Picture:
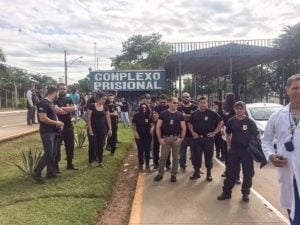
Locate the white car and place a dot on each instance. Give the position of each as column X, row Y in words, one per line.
column 261, row 112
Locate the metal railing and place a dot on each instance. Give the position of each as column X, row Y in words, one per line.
column 220, row 47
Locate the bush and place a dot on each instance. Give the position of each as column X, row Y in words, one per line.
column 30, row 160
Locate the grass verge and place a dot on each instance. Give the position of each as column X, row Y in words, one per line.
column 75, row 197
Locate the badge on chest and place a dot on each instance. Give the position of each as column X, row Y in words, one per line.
column 171, row 122
column 245, row 127
column 146, row 121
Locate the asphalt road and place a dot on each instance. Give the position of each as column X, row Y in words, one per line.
column 12, row 119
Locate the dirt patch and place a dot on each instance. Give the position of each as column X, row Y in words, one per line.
column 118, row 209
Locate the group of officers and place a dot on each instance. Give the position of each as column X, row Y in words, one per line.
column 55, row 118
column 173, row 126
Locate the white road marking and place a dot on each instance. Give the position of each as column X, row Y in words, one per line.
column 265, row 201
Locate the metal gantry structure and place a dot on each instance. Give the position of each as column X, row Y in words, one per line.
column 218, row 58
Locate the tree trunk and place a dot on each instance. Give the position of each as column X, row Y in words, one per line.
column 16, row 95
column 5, row 98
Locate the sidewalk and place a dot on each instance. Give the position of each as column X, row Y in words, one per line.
column 10, row 133
column 195, row 202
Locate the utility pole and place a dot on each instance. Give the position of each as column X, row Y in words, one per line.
column 66, row 69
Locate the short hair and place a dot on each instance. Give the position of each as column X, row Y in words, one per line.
column 51, row 90
column 60, row 84
column 171, row 99
column 202, row 98
column 240, row 104
column 163, row 97
column 291, row 79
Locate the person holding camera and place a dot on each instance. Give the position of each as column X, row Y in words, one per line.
column 284, row 126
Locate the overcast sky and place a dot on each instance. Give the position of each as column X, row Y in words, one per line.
column 35, row 33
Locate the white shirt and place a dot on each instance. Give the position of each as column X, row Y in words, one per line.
column 278, row 127
column 29, row 97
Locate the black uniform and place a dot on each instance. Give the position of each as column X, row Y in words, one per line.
column 49, row 136
column 187, row 140
column 67, row 134
column 204, row 123
column 241, row 131
column 158, row 109
column 99, row 127
column 143, row 122
column 112, row 140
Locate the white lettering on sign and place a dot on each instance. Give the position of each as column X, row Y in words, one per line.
column 129, row 80
column 156, row 76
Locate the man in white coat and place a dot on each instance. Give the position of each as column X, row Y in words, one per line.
column 285, row 128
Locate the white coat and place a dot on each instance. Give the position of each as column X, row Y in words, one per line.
column 278, row 128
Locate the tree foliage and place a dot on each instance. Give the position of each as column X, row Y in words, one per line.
column 142, row 52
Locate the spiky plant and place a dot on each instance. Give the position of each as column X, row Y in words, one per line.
column 30, row 159
column 80, row 137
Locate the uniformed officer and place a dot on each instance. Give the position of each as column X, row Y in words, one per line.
column 65, row 108
column 239, row 130
column 204, row 124
column 112, row 108
column 141, row 124
column 49, row 128
column 186, row 108
column 170, row 130
column 162, row 106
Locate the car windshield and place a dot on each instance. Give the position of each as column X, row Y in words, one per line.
column 263, row 113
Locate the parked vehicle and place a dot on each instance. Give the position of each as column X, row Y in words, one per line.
column 261, row 112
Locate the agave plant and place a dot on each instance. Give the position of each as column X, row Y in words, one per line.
column 30, row 159
column 80, row 137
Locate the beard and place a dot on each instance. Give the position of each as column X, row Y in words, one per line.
column 62, row 94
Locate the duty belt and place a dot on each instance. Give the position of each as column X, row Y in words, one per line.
column 172, row 135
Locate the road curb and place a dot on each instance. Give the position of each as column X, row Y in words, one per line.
column 12, row 137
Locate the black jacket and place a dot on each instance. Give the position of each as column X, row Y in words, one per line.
column 256, row 152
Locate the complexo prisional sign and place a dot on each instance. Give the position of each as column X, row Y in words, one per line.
column 127, row 80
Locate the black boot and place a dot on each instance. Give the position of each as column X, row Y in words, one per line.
column 208, row 176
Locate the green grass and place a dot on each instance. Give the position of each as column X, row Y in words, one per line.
column 73, row 198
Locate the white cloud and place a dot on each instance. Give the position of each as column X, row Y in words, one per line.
column 34, row 34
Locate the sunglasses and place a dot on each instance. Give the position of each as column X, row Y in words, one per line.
column 185, row 96
column 144, row 107
column 175, row 103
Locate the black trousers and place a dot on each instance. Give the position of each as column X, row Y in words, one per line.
column 49, row 141
column 203, row 145
column 235, row 158
column 92, row 153
column 112, row 140
column 67, row 136
column 143, row 146
column 30, row 115
column 156, row 147
column 98, row 143
column 218, row 143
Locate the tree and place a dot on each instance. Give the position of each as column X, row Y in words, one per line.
column 289, row 43
column 142, row 52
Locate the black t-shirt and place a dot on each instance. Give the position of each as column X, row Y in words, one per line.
column 143, row 123
column 204, row 122
column 67, row 118
column 125, row 107
column 112, row 108
column 160, row 108
column 188, row 110
column 45, row 106
column 171, row 122
column 227, row 115
column 98, row 118
column 241, row 131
